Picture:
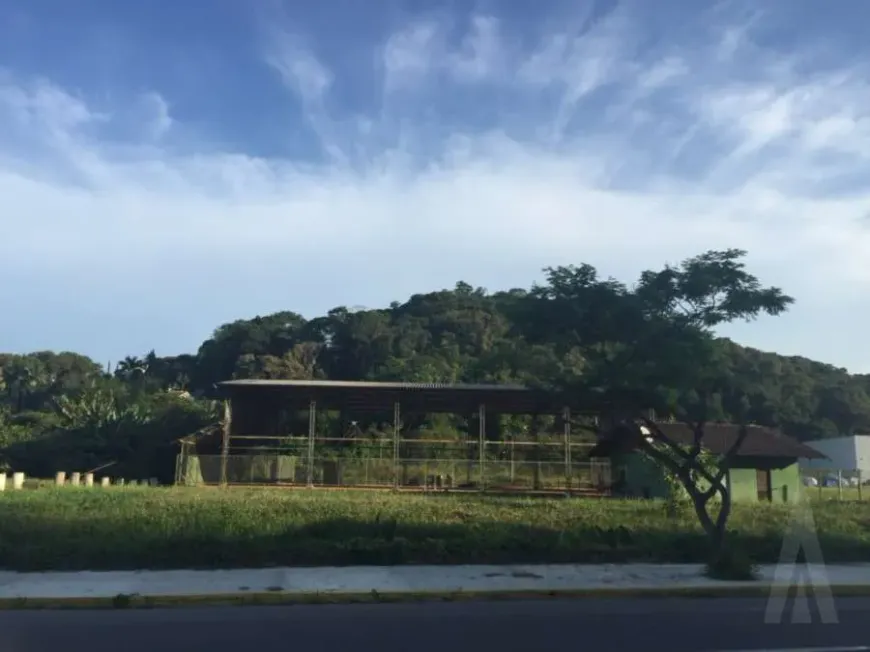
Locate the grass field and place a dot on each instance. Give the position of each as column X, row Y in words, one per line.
column 125, row 528
column 838, row 493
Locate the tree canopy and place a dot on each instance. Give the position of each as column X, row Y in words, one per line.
column 653, row 341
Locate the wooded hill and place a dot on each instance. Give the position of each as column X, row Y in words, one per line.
column 568, row 333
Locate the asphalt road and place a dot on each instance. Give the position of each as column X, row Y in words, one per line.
column 595, row 625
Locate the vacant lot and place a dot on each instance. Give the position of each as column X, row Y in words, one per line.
column 121, row 528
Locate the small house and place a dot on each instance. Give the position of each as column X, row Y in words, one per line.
column 766, row 466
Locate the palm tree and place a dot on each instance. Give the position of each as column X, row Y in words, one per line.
column 130, row 368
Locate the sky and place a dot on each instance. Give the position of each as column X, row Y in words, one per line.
column 169, row 167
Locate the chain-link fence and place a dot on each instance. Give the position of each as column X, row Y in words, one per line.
column 505, row 466
column 836, row 484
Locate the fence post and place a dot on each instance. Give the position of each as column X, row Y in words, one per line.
column 312, row 425
column 860, row 482
column 481, row 445
column 397, row 415
column 18, row 480
column 89, row 479
column 536, row 447
column 839, row 484
column 566, row 425
column 2, row 481
column 513, row 470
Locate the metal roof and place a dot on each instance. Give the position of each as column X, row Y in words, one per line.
column 365, row 384
column 372, row 396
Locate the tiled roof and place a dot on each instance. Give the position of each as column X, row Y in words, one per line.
column 718, row 439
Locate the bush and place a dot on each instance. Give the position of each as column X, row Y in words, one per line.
column 732, row 563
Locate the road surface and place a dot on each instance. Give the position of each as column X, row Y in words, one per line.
column 566, row 625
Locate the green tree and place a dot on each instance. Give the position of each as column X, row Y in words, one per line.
column 651, row 347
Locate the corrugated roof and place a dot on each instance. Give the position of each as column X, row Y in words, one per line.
column 363, row 384
column 379, row 396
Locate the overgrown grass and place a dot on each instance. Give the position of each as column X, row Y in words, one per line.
column 837, row 493
column 126, row 528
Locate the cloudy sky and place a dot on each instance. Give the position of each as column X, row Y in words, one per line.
column 167, row 167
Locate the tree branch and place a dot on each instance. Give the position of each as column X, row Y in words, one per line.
column 690, row 462
column 685, row 478
column 732, row 452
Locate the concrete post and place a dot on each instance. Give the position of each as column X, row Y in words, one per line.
column 89, row 479
column 120, row 482
column 18, row 480
column 75, row 478
column 133, row 483
column 2, row 482
column 105, row 481
column 60, row 478
column 153, row 482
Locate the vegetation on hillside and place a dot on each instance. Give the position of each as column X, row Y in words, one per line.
column 62, row 410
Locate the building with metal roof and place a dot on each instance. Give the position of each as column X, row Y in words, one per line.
column 258, row 411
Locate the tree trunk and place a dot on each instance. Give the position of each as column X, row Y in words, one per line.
column 715, row 529
column 721, row 532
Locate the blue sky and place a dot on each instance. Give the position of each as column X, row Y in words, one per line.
column 167, row 167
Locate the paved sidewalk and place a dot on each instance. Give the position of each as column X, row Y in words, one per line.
column 416, row 580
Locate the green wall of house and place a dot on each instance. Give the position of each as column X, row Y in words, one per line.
column 744, row 485
column 788, row 483
column 785, row 480
column 642, row 478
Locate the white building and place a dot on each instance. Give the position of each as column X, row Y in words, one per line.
column 846, row 454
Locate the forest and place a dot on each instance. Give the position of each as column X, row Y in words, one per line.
column 650, row 344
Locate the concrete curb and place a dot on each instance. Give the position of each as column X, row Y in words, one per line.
column 277, row 598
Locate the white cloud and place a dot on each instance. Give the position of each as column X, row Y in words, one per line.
column 482, row 56
column 410, row 54
column 298, row 67
column 40, row 104
column 413, row 54
column 158, row 120
column 663, row 73
column 227, row 235
column 580, row 62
